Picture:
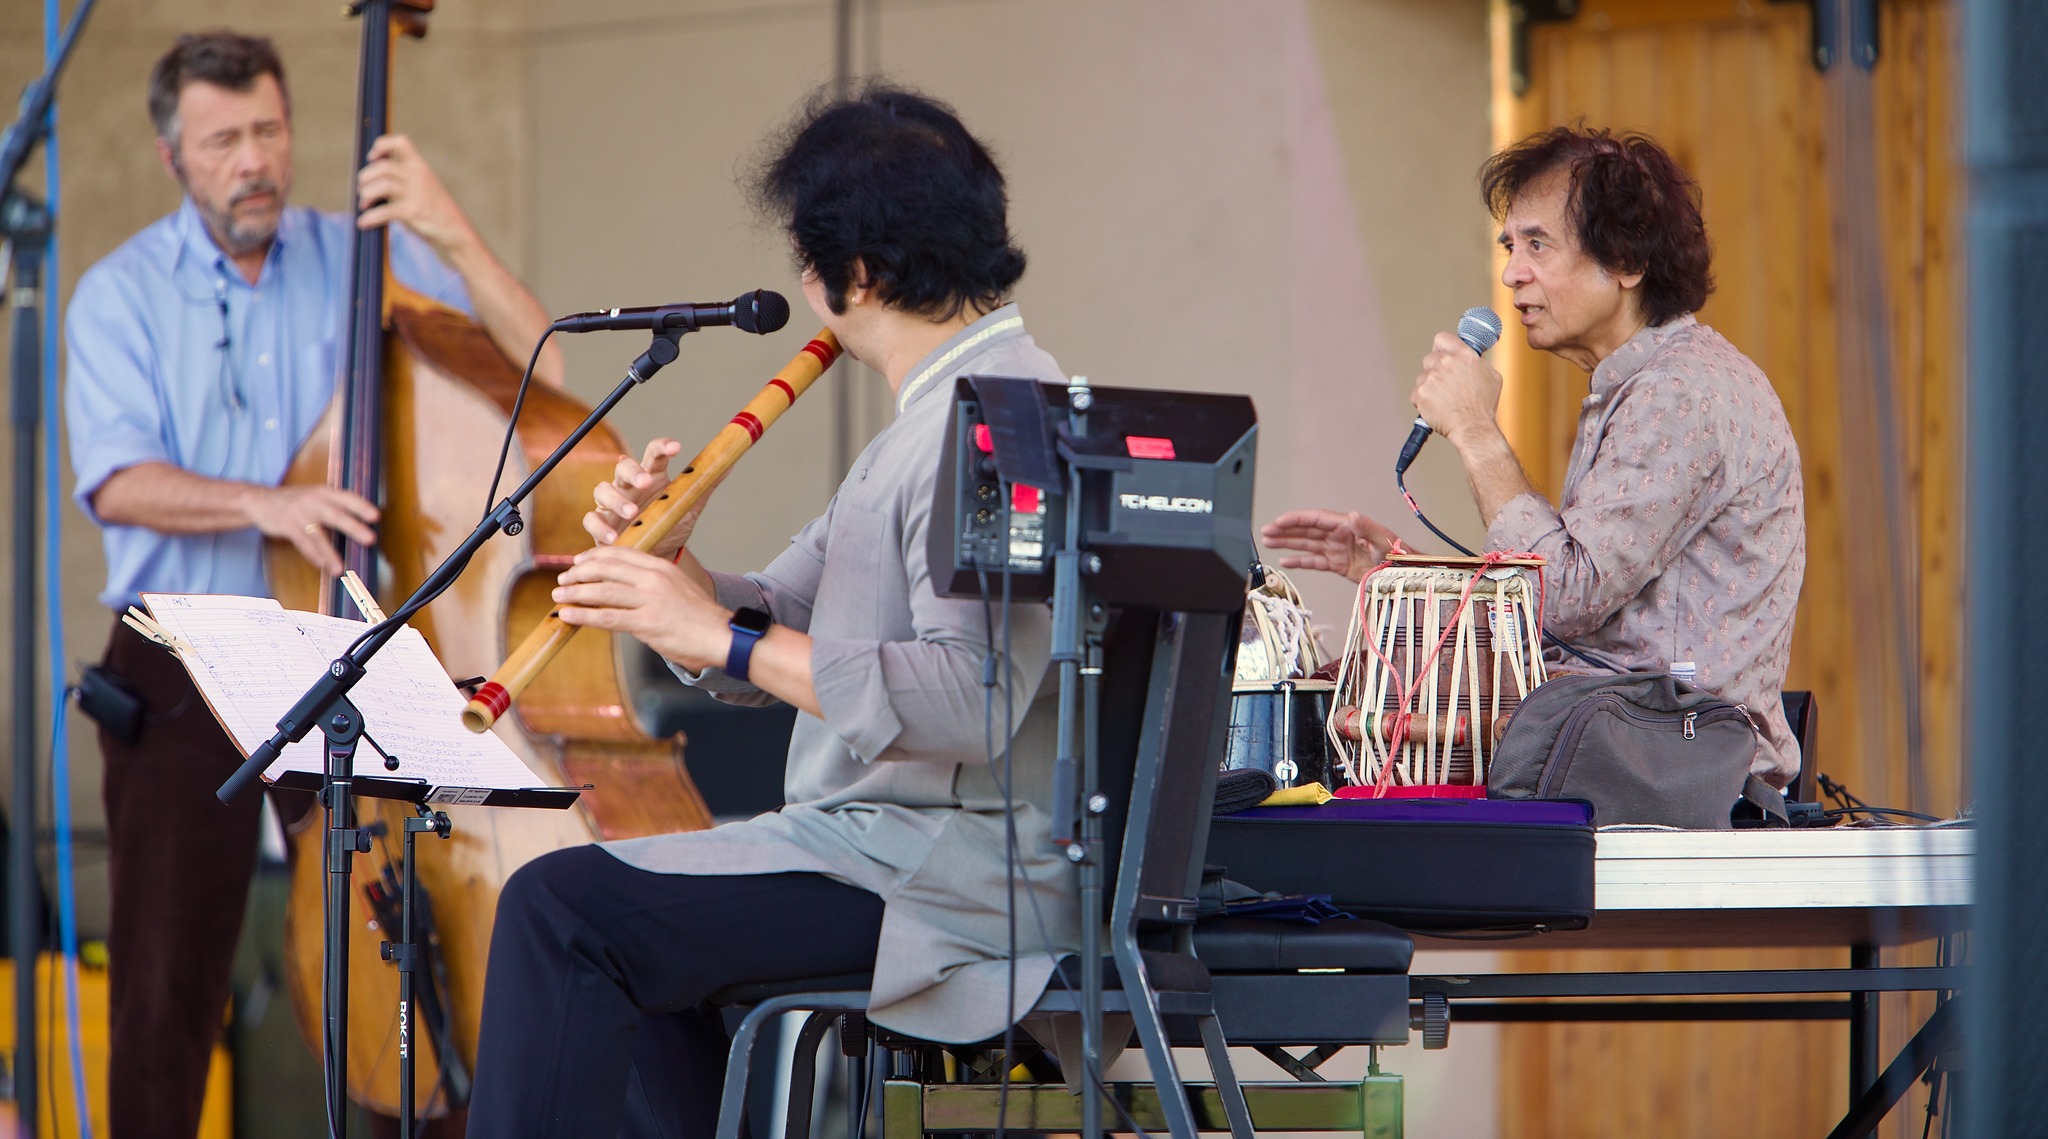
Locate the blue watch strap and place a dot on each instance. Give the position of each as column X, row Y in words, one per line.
column 748, row 627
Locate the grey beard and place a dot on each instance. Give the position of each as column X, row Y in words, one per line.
column 237, row 239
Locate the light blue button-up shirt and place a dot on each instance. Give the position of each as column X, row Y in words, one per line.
column 176, row 358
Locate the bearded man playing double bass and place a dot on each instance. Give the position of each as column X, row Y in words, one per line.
column 889, row 854
column 202, row 353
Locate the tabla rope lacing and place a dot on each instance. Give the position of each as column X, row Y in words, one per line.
column 1371, row 601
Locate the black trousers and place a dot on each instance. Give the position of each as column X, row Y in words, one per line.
column 595, row 1007
column 179, row 862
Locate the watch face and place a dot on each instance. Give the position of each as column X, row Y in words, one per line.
column 751, row 620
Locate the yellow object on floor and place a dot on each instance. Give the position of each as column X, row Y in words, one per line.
column 54, row 1056
column 1306, row 795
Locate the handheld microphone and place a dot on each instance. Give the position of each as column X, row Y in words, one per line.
column 760, row 311
column 1479, row 328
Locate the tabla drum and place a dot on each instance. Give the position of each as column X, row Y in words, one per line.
column 1441, row 652
column 1277, row 728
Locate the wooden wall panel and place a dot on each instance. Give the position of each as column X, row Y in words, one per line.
column 1919, row 180
column 1728, row 87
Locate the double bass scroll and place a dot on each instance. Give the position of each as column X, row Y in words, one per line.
column 676, row 501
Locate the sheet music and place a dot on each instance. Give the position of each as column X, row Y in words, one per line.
column 252, row 659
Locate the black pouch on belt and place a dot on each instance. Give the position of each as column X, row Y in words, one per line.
column 110, row 700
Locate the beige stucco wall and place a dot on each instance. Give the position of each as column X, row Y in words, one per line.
column 1266, row 196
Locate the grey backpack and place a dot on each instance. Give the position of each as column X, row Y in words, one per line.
column 1642, row 747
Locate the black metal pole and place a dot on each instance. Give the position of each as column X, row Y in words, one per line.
column 342, row 724
column 1868, row 1108
column 26, row 224
column 2005, row 124
column 21, row 138
column 1092, row 869
column 1863, row 1027
column 1076, row 810
column 411, row 959
column 408, row 961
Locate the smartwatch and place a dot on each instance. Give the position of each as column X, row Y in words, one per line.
column 748, row 626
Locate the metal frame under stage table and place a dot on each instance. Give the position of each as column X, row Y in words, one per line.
column 1860, row 888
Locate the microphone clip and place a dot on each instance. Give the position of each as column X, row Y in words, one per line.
column 661, row 351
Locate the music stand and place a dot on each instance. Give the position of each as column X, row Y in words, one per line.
column 326, row 706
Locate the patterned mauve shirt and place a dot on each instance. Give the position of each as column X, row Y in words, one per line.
column 1682, row 532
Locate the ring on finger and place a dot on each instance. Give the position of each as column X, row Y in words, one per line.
column 313, row 528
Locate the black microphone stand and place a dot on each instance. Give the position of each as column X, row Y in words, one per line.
column 326, row 706
column 1078, row 621
column 405, row 952
column 26, row 225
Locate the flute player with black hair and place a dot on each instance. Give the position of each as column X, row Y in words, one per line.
column 889, row 854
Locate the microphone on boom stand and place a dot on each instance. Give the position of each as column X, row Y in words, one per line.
column 760, row 311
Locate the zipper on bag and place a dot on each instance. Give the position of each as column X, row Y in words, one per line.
column 1558, row 765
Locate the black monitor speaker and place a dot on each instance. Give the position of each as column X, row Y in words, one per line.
column 1164, row 492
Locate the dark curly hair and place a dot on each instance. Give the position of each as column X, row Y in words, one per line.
column 1632, row 209
column 890, row 178
column 224, row 59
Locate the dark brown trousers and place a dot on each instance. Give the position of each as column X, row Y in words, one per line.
column 179, row 867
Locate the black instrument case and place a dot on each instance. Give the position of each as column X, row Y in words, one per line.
column 1430, row 865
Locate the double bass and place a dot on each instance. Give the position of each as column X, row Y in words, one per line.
column 424, row 399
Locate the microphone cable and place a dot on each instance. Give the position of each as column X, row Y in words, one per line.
column 1400, row 483
column 1549, row 637
column 405, row 613
column 1012, row 859
column 512, row 422
column 1091, row 1072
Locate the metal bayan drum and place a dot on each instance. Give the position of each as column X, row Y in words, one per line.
column 1277, row 727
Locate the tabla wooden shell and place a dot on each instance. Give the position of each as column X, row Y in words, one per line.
column 1455, row 643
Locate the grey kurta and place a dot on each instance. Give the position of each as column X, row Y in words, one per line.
column 892, row 790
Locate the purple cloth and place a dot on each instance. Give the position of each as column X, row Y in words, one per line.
column 1519, row 812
